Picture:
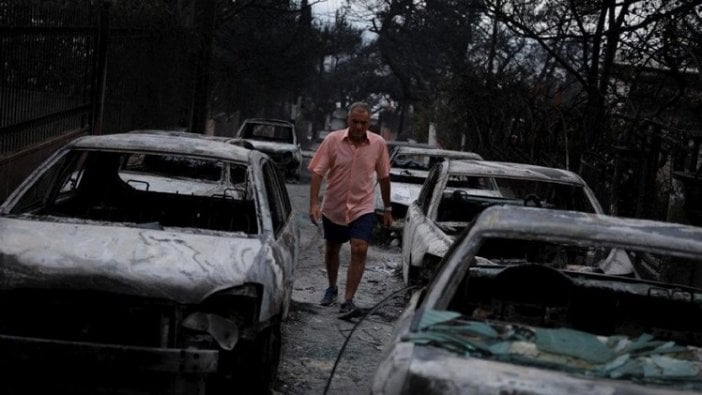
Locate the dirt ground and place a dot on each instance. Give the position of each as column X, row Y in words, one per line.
column 313, row 335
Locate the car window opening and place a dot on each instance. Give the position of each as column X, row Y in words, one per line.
column 550, row 304
column 148, row 190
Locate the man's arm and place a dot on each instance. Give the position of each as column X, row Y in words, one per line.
column 315, row 184
column 385, row 194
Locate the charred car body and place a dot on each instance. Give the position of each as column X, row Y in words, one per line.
column 276, row 138
column 520, row 306
column 409, row 166
column 148, row 255
column 456, row 191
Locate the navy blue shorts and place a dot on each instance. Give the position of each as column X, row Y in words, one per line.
column 360, row 228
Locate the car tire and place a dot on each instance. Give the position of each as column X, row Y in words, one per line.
column 414, row 276
column 254, row 365
column 264, row 358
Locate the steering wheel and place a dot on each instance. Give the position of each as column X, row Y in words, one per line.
column 532, row 200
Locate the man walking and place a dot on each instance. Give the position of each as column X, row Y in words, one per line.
column 350, row 159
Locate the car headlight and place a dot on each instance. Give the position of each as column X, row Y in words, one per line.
column 224, row 317
column 225, row 332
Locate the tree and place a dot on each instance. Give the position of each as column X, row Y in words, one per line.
column 588, row 40
column 265, row 52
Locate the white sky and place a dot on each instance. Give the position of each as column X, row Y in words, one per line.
column 324, row 9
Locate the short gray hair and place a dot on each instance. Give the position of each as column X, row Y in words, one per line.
column 359, row 105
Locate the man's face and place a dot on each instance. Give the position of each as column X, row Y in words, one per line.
column 358, row 121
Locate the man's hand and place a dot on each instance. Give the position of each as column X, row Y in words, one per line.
column 315, row 183
column 387, row 219
column 315, row 215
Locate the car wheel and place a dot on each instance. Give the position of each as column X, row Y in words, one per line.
column 264, row 360
column 253, row 365
column 414, row 276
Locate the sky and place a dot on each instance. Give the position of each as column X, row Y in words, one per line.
column 324, row 9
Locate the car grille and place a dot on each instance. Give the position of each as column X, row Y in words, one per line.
column 96, row 317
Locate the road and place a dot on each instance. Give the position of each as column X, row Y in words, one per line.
column 313, row 334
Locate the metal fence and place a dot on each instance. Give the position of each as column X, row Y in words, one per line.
column 151, row 66
column 47, row 59
column 52, row 79
column 72, row 67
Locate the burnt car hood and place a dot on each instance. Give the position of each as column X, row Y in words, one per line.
column 270, row 146
column 449, row 353
column 434, row 370
column 178, row 266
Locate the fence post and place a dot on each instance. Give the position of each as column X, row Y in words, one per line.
column 100, row 70
column 200, row 102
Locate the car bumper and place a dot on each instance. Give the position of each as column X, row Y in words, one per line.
column 36, row 354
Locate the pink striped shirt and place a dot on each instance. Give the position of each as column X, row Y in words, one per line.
column 350, row 172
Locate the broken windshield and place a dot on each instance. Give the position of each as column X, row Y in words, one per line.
column 268, row 132
column 618, row 312
column 145, row 189
column 538, row 193
column 642, row 358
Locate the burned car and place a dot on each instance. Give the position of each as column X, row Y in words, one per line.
column 394, row 144
column 147, row 257
column 519, row 306
column 409, row 166
column 456, row 191
column 277, row 139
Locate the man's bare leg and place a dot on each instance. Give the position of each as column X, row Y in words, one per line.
column 359, row 250
column 331, row 261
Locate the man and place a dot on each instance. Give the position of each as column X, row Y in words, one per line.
column 351, row 159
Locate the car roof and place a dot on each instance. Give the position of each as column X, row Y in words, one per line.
column 168, row 142
column 270, row 121
column 180, row 133
column 405, row 143
column 394, row 144
column 513, row 170
column 537, row 223
column 433, row 151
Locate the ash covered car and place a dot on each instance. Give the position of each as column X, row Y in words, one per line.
column 146, row 258
column 276, row 138
column 394, row 144
column 520, row 306
column 456, row 191
column 409, row 166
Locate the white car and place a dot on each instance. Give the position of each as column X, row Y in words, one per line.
column 519, row 306
column 277, row 139
column 152, row 257
column 455, row 191
column 409, row 166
